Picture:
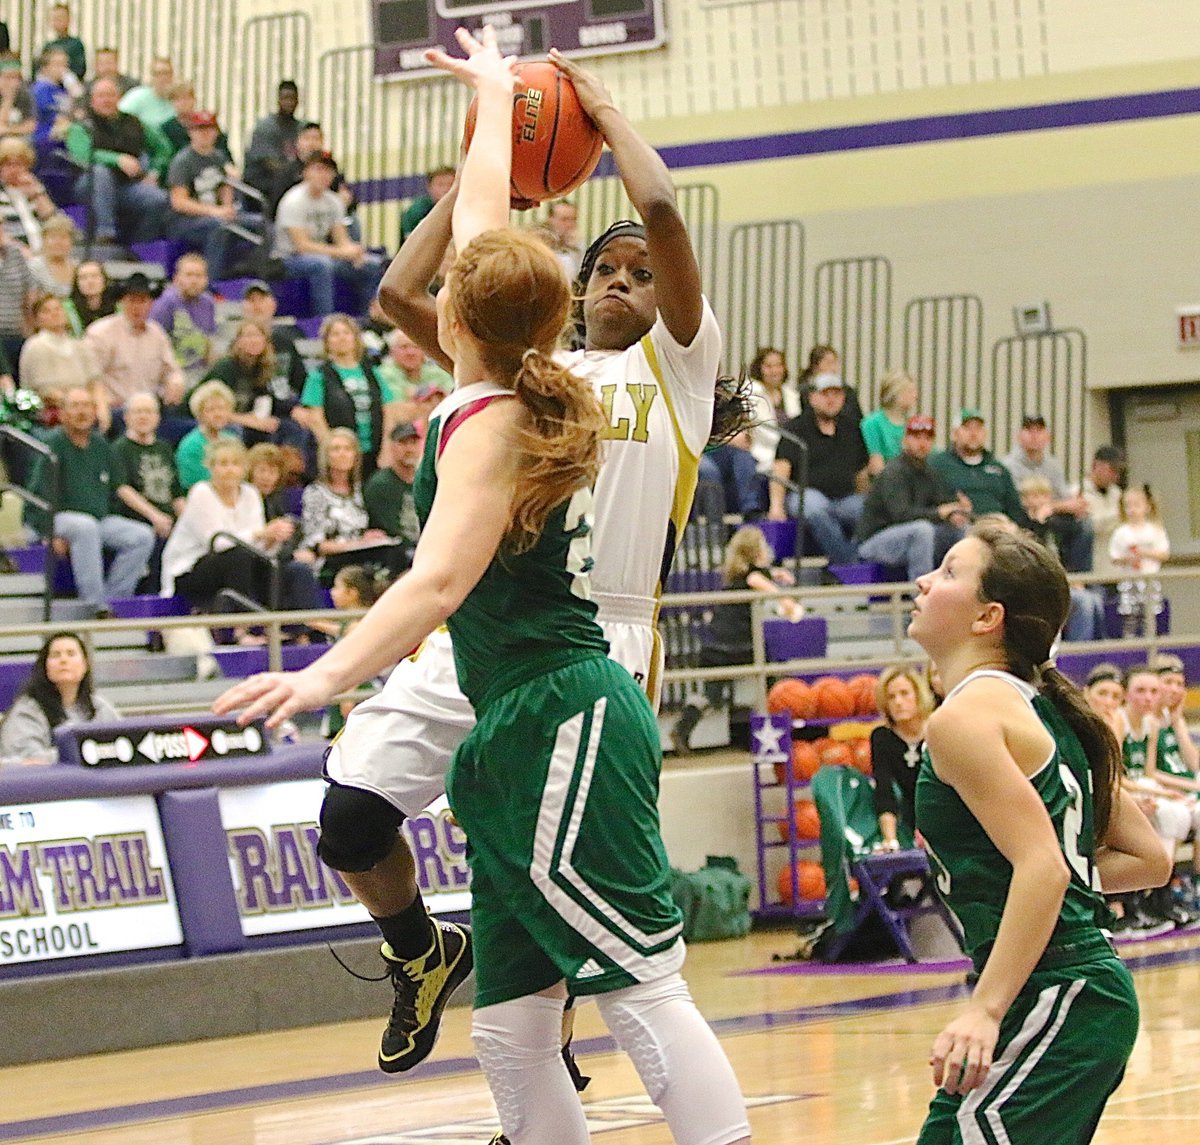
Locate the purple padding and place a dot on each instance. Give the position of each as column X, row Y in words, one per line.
column 860, row 572
column 29, row 558
column 139, row 607
column 806, row 639
column 161, row 251
column 310, row 327
column 239, row 662
column 231, row 288
column 292, row 296
column 13, row 674
column 781, row 536
column 204, row 891
column 77, row 214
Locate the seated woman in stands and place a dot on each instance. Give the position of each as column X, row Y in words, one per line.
column 55, row 267
column 883, row 430
column 59, row 692
column 92, row 297
column 334, row 520
column 24, row 201
column 346, row 392
column 212, row 406
column 53, row 361
column 906, row 703
column 198, row 562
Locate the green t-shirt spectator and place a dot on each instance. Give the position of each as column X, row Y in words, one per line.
column 85, row 484
column 882, row 435
column 389, row 501
column 149, row 469
column 189, row 458
column 404, row 387
column 354, row 379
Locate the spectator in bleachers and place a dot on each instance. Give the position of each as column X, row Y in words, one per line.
column 346, row 392
column 263, row 400
column 53, row 362
column 106, row 65
column 133, row 350
column 837, row 461
column 273, row 142
column 968, row 467
column 198, row 565
column 24, row 202
column 212, row 406
column 146, row 482
column 59, row 691
column 312, row 241
column 112, row 144
column 54, row 268
column 311, row 141
column 1031, row 457
column 51, row 102
column 909, row 516
column 826, row 360
column 175, row 130
column 437, row 183
column 335, row 526
column 906, row 703
column 151, row 103
column 562, row 233
column 202, row 199
column 259, row 305
column 731, row 466
column 87, row 524
column 388, row 495
column 264, row 465
column 1138, row 547
column 60, row 25
column 883, row 431
column 1102, row 489
column 92, row 296
column 187, row 311
column 407, row 368
column 17, row 288
column 17, row 115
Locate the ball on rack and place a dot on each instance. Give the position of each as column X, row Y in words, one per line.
column 862, row 755
column 835, row 698
column 806, row 820
column 806, row 882
column 555, row 145
column 838, row 753
column 864, row 693
column 805, row 762
column 794, row 696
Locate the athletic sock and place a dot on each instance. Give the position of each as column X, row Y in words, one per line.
column 408, row 932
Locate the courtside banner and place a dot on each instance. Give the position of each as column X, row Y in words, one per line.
column 271, row 834
column 84, row 876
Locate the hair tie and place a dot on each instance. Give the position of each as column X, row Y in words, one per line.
column 529, row 355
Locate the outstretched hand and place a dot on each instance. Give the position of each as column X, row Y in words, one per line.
column 594, row 97
column 483, row 64
column 276, row 695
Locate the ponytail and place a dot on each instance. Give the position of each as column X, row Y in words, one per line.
column 733, row 410
column 559, row 443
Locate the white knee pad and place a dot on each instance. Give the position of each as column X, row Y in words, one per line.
column 518, row 1045
column 679, row 1060
column 1172, row 820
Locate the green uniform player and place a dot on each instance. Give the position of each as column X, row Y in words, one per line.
column 563, row 887
column 1077, row 1016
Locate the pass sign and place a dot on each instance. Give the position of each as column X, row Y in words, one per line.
column 159, row 741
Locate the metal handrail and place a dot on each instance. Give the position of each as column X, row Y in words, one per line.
column 49, row 507
column 262, row 555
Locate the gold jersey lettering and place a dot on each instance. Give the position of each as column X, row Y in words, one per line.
column 642, row 397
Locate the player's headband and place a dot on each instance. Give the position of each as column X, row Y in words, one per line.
column 625, row 228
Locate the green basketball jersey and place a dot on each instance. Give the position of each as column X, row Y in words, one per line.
column 974, row 877
column 531, row 612
column 1170, row 758
column 1133, row 752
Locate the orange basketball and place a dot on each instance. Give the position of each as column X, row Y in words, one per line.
column 835, row 698
column 555, row 145
column 862, row 755
column 804, row 763
column 805, row 819
column 793, row 696
column 864, row 691
column 810, row 880
column 837, row 754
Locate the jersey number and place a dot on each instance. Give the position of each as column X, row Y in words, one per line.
column 1073, row 828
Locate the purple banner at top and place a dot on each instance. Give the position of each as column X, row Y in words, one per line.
column 403, row 29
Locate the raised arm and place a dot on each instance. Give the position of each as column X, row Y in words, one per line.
column 648, row 185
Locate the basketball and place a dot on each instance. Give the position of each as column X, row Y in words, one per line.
column 837, row 754
column 555, row 146
column 862, row 755
column 806, row 819
column 810, row 881
column 835, row 698
column 864, row 691
column 793, row 696
column 805, row 762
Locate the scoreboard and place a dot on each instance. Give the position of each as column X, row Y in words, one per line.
column 403, row 29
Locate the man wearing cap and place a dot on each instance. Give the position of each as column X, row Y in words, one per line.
column 113, row 146
column 910, row 518
column 388, row 494
column 133, row 350
column 969, row 468
column 312, row 240
column 1032, row 458
column 1102, row 489
column 836, row 458
column 202, row 203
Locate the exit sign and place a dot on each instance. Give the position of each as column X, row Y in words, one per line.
column 1187, row 326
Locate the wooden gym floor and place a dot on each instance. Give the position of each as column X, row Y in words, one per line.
column 823, row 1054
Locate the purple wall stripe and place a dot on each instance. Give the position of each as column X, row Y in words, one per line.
column 888, row 133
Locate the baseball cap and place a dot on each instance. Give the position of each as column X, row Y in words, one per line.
column 967, row 413
column 202, row 119
column 1033, row 419
column 404, row 431
column 823, row 382
column 257, row 286
column 137, row 283
column 429, row 390
column 1112, row 455
column 920, row 423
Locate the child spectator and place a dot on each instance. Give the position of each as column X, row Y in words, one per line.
column 748, row 565
column 883, row 430
column 354, row 587
column 1138, row 548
